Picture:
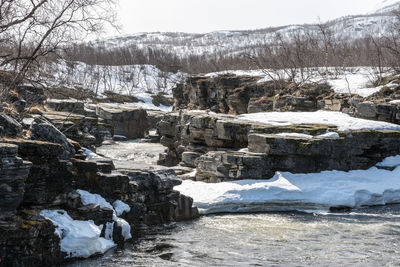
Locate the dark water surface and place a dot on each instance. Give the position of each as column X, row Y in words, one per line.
column 366, row 237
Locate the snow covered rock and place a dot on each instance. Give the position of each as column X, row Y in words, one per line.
column 79, row 239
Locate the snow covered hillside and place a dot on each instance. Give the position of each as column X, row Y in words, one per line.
column 129, row 80
column 185, row 44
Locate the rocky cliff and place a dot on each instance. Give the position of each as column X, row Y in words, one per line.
column 46, row 178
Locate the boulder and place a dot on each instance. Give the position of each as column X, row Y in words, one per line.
column 66, row 105
column 9, row 127
column 29, row 240
column 127, row 120
column 219, row 166
column 366, row 110
column 42, row 130
column 50, row 178
column 32, row 95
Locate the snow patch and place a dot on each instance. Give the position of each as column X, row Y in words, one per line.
column 79, row 239
column 121, row 207
column 89, row 198
column 298, row 135
column 390, row 162
column 287, row 191
column 90, row 154
column 329, row 135
column 343, row 121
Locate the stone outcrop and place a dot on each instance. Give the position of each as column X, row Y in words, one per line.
column 245, row 94
column 87, row 130
column 33, row 96
column 9, row 126
column 66, row 105
column 269, row 153
column 29, row 240
column 13, row 174
column 127, row 120
column 50, row 177
column 213, row 143
column 43, row 130
column 219, row 166
column 54, row 168
column 156, row 201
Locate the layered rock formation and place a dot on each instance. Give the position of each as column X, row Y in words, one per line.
column 127, row 120
column 214, row 144
column 245, row 94
column 49, row 178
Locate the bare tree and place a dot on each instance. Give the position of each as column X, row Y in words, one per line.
column 31, row 30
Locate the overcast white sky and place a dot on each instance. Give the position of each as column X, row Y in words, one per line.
column 212, row 15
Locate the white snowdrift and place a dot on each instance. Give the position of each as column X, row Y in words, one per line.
column 390, row 162
column 89, row 198
column 305, row 192
column 120, row 207
column 90, row 154
column 79, row 239
column 343, row 121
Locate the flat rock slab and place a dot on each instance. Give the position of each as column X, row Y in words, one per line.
column 128, row 121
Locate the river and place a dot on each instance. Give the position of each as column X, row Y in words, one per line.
column 363, row 237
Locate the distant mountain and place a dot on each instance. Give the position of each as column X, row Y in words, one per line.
column 386, row 6
column 185, row 44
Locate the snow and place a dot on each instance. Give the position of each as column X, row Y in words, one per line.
column 126, row 228
column 304, row 192
column 351, row 80
column 89, row 198
column 120, row 207
column 79, row 239
column 298, row 135
column 329, row 135
column 125, row 79
column 343, row 121
column 390, row 162
column 386, row 6
column 90, row 154
column 148, row 103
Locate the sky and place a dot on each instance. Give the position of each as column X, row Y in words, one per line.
column 200, row 16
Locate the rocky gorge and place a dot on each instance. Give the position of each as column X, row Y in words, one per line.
column 55, row 197
column 222, row 129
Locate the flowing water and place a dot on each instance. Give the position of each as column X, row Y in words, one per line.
column 364, row 237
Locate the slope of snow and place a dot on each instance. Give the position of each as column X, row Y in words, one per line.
column 304, row 192
column 343, row 121
column 128, row 80
column 79, row 239
column 386, row 6
column 349, row 81
column 230, row 42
